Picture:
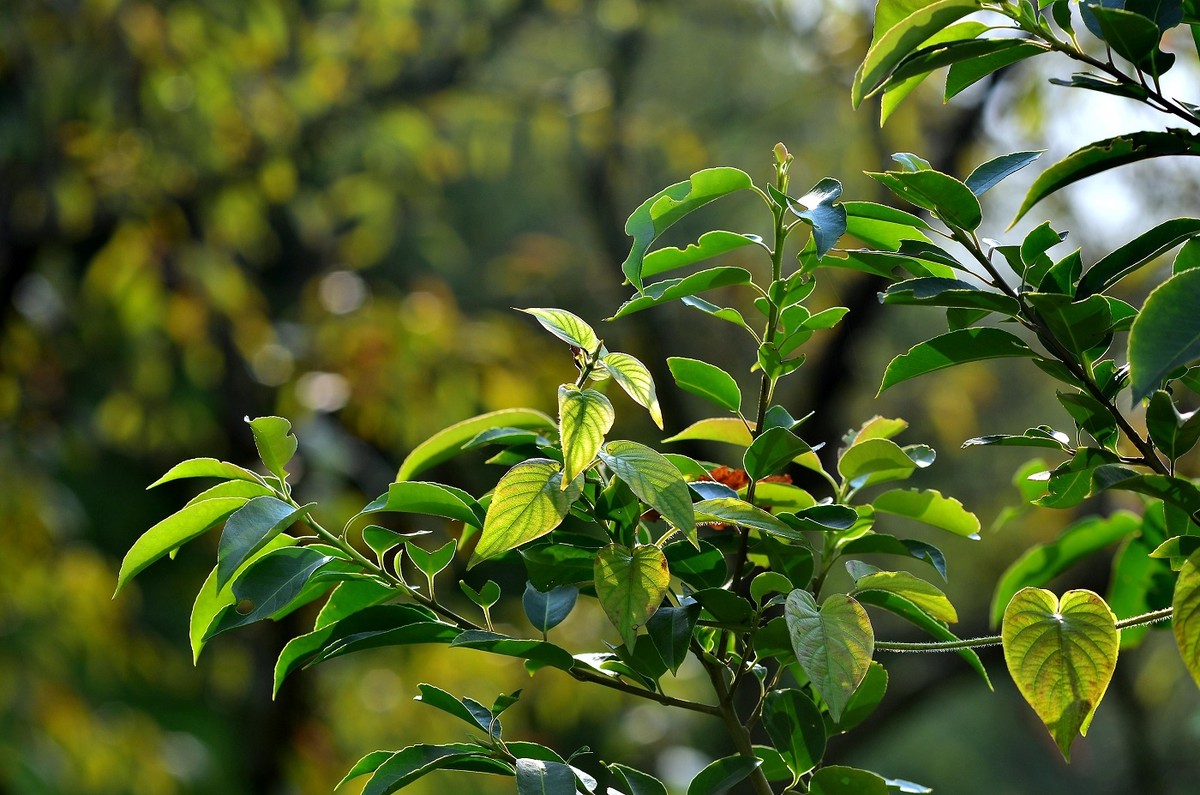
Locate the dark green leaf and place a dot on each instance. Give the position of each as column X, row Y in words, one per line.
column 772, row 449
column 881, row 226
column 467, row 710
column 710, row 244
column 671, row 289
column 987, row 175
column 796, row 728
column 1166, row 335
column 725, row 606
column 840, row 780
column 933, row 291
column 948, row 350
column 537, row 777
column 404, row 767
column 1070, row 483
column 1143, row 249
column 1172, row 432
column 547, row 610
column 881, row 544
column 720, row 776
column 538, row 652
column 637, row 782
column 268, row 586
column 700, row 568
column 249, row 528
column 670, row 629
column 865, row 699
column 1103, row 155
column 558, row 564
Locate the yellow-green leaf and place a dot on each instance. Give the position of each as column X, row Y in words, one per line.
column 929, row 507
column 527, row 503
column 729, row 430
column 173, row 532
column 584, row 417
column 1061, row 654
column 448, row 442
column 630, row 584
column 1186, row 618
column 632, row 376
column 924, row 595
column 654, row 480
column 833, row 644
column 568, row 327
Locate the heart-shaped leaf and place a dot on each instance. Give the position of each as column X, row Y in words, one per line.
column 528, row 503
column 833, row 644
column 630, row 584
column 584, row 417
column 1061, row 654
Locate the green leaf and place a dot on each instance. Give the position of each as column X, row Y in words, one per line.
column 406, row 766
column 687, row 287
column 1173, row 433
column 667, row 206
column 558, row 564
column 881, row 226
column 722, row 775
column 931, row 508
column 700, row 568
column 953, row 348
column 447, row 443
column 1071, row 482
column 906, row 35
column 1172, row 490
column 710, row 244
column 924, row 595
column 769, row 582
column 773, row 448
column 1132, row 36
column 431, row 563
column 941, row 194
column 568, row 327
column 487, row 595
column 882, row 544
column 729, row 430
column 1041, row 436
column 211, row 601
column 670, row 630
column 249, row 528
column 1186, row 614
column 632, row 376
column 933, row 291
column 538, row 652
column 897, row 89
column 206, row 468
column 275, row 442
column 731, row 510
column 637, row 782
column 654, row 480
column 1138, row 584
column 547, row 610
column 796, row 728
column 725, row 606
column 840, row 780
column 833, row 644
column 1061, row 655
column 1103, row 155
column 865, row 699
column 1077, row 325
column 630, row 584
column 536, row 777
column 1004, row 52
column 430, row 499
column 173, row 532
column 1143, row 249
column 527, row 503
column 1041, row 563
column 369, row 627
column 267, row 586
column 1166, row 335
column 585, row 417
column 706, row 380
column 467, row 710
column 349, row 597
column 874, row 461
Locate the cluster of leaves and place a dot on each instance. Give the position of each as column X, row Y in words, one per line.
column 730, row 566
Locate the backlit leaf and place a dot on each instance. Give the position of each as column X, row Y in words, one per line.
column 173, row 532
column 1166, row 334
column 1186, row 618
column 568, row 327
column 447, row 443
column 654, row 480
column 585, row 417
column 275, row 442
column 527, row 503
column 632, row 376
column 929, row 507
column 953, row 348
column 630, row 584
column 706, row 380
column 1061, row 654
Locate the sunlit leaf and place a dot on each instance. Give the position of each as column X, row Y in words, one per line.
column 585, row 416
column 275, row 442
column 568, row 327
column 173, row 532
column 654, row 480
column 447, row 443
column 630, row 584
column 1186, row 614
column 1061, row 654
column 1166, row 334
column 632, row 376
column 953, row 348
column 929, row 507
column 527, row 503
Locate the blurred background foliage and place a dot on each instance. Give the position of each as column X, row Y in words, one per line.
column 324, row 209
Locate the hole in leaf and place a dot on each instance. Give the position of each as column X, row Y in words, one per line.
column 245, row 607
